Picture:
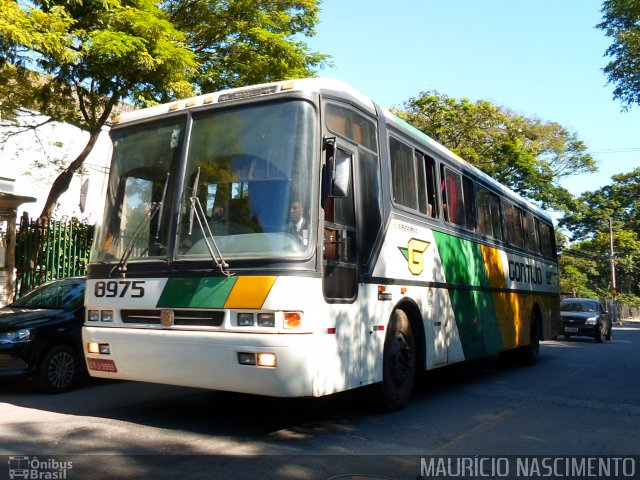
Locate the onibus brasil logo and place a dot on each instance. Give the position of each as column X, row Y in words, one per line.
column 34, row 468
column 414, row 255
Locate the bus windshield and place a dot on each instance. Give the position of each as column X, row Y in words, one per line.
column 246, row 190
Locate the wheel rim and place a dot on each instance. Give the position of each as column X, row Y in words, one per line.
column 61, row 369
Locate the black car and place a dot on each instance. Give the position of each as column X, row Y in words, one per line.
column 585, row 317
column 40, row 335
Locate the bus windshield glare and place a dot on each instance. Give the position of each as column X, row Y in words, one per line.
column 246, row 186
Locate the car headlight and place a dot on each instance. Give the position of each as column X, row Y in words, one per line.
column 17, row 336
column 591, row 321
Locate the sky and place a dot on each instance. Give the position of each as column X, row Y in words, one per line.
column 541, row 59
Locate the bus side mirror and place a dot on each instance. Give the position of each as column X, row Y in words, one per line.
column 339, row 170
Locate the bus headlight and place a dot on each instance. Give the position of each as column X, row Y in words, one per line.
column 266, row 359
column 266, row 320
column 259, row 359
column 245, row 320
column 98, row 348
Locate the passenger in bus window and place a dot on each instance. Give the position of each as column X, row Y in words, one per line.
column 298, row 223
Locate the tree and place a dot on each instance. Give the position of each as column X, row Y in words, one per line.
column 244, row 42
column 619, row 201
column 76, row 61
column 526, row 154
column 621, row 22
column 589, row 225
column 80, row 60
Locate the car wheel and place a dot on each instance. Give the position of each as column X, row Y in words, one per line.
column 598, row 334
column 59, row 370
column 398, row 364
column 609, row 335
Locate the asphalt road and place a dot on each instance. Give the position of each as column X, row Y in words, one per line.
column 581, row 398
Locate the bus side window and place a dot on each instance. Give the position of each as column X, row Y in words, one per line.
column 451, row 196
column 432, row 191
column 426, row 176
column 457, row 199
column 488, row 206
column 403, row 174
column 531, row 234
column 547, row 241
column 513, row 221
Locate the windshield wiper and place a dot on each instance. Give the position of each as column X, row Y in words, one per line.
column 121, row 267
column 209, row 240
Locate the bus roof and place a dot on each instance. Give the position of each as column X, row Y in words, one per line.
column 314, row 85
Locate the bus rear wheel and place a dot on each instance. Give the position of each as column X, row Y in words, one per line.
column 399, row 363
column 530, row 353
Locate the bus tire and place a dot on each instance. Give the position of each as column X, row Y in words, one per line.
column 529, row 354
column 398, row 363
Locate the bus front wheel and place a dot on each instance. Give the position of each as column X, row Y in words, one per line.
column 399, row 362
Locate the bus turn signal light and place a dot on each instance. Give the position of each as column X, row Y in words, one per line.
column 292, row 319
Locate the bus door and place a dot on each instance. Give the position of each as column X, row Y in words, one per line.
column 340, row 267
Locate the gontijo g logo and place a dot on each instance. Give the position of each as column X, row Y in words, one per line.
column 413, row 253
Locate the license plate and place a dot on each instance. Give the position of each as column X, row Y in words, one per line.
column 571, row 329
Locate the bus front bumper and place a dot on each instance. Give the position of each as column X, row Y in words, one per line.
column 281, row 365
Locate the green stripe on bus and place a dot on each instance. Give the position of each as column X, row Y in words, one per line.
column 177, row 292
column 475, row 311
column 462, row 260
column 213, row 292
column 196, row 292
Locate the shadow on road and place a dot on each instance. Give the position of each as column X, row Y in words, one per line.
column 240, row 415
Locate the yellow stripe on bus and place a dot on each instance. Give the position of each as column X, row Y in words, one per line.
column 507, row 305
column 249, row 292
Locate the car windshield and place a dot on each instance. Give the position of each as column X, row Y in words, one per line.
column 585, row 306
column 60, row 294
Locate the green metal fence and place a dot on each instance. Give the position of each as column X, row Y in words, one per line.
column 47, row 250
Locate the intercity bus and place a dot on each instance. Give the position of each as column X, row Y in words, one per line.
column 295, row 239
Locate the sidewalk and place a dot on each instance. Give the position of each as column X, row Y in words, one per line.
column 627, row 321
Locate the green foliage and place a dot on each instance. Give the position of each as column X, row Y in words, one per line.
column 526, row 154
column 244, row 42
column 621, row 22
column 573, row 280
column 619, row 201
column 584, row 271
column 90, row 56
column 75, row 61
column 589, row 225
column 630, row 300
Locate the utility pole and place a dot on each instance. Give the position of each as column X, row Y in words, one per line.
column 613, row 271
